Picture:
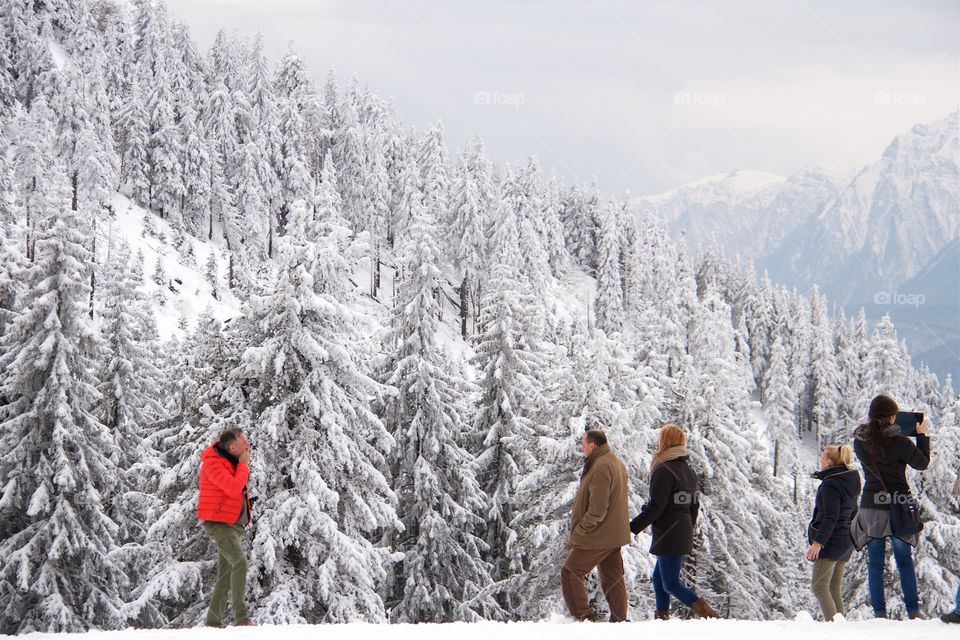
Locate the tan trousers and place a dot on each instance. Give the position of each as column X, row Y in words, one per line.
column 827, row 585
column 609, row 565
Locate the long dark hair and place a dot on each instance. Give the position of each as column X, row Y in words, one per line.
column 878, row 423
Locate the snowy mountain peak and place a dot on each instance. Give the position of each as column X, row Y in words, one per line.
column 935, row 137
column 733, row 186
column 892, row 218
column 854, row 232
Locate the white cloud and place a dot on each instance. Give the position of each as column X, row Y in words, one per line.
column 593, row 87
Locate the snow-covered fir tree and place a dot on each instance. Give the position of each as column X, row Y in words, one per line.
column 128, row 405
column 473, row 195
column 508, row 361
column 321, row 448
column 60, row 466
column 779, row 401
column 609, row 304
column 444, row 575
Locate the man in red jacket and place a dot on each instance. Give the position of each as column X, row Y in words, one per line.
column 224, row 511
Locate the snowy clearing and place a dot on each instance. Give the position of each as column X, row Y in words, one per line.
column 800, row 629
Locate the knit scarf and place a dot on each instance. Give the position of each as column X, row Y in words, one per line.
column 671, row 453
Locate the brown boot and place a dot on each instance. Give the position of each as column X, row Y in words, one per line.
column 590, row 616
column 661, row 615
column 702, row 610
column 914, row 615
column 245, row 622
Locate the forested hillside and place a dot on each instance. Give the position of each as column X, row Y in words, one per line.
column 413, row 338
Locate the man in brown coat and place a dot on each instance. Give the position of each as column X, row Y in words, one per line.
column 599, row 526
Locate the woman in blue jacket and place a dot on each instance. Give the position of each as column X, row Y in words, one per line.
column 829, row 529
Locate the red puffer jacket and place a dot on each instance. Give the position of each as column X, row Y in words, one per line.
column 223, row 489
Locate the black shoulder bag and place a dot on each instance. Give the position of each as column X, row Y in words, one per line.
column 904, row 510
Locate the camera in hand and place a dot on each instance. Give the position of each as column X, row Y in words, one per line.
column 907, row 421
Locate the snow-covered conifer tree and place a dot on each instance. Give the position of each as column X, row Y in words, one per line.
column 609, row 304
column 59, row 466
column 321, row 450
column 508, row 359
column 443, row 575
column 473, row 194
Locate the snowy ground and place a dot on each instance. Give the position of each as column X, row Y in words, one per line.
column 801, row 629
column 188, row 293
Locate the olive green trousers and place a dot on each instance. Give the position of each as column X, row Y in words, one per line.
column 231, row 573
column 827, row 584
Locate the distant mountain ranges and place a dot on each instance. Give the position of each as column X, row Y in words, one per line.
column 884, row 237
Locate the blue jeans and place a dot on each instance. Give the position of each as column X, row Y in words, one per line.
column 876, row 558
column 957, row 610
column 666, row 583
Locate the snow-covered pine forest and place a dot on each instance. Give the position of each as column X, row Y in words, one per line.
column 412, row 337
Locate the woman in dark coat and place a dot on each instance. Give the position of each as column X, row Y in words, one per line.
column 829, row 530
column 881, row 449
column 672, row 510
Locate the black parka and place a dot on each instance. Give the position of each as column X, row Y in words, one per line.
column 892, row 465
column 672, row 509
column 834, row 508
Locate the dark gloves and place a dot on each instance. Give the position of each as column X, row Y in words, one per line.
column 635, row 527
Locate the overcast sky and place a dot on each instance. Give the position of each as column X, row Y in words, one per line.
column 644, row 95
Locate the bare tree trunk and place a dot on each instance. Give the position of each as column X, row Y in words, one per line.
column 93, row 269
column 776, row 457
column 464, row 305
column 396, row 276
column 374, row 269
column 475, row 294
column 589, row 315
column 283, row 218
column 29, row 236
column 270, row 237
